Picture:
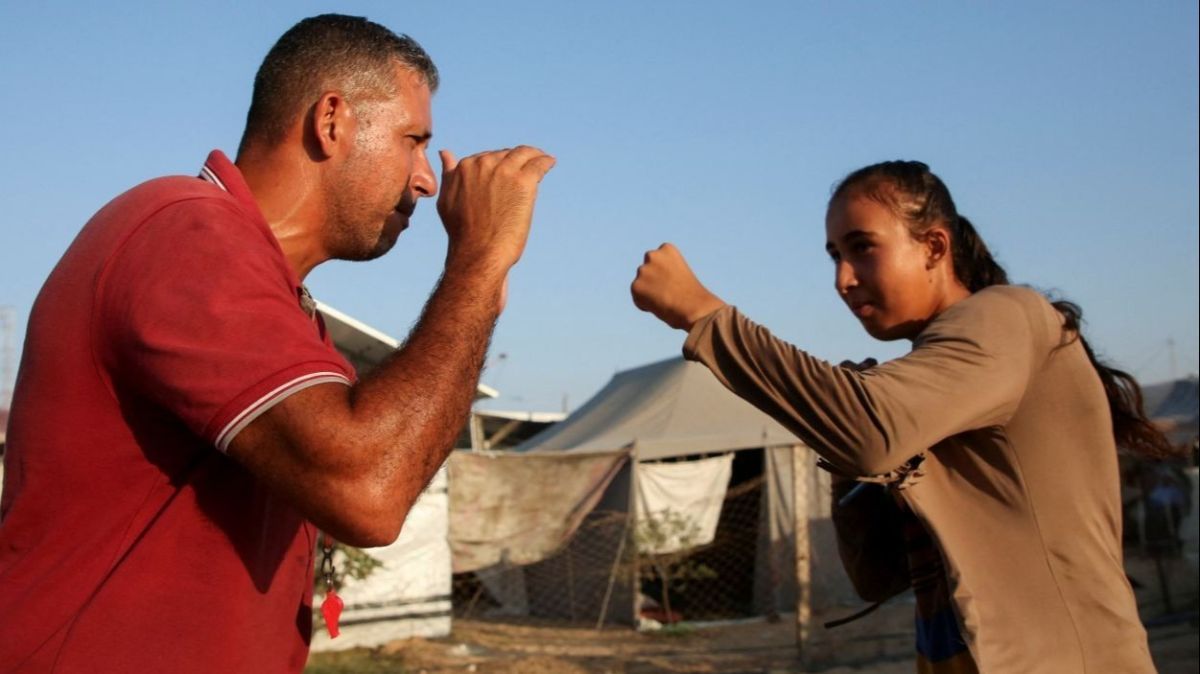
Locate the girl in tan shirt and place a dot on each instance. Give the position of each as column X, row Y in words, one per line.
column 995, row 436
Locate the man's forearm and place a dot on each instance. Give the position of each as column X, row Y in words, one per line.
column 414, row 405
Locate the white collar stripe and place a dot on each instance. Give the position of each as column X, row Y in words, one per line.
column 211, row 176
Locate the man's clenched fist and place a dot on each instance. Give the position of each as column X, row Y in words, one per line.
column 486, row 204
column 666, row 287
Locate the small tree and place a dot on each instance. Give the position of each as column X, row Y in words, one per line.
column 664, row 543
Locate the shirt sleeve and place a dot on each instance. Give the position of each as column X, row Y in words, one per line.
column 198, row 314
column 968, row 370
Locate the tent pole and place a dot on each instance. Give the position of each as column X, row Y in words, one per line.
column 800, row 486
column 635, row 583
column 618, row 563
column 571, row 580
column 612, row 577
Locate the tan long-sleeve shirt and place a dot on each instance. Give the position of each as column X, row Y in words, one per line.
column 1019, row 483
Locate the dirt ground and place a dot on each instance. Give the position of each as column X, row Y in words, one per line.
column 755, row 647
column 505, row 648
column 880, row 643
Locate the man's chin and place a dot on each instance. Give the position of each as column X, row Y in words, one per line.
column 386, row 241
column 363, row 251
column 387, row 236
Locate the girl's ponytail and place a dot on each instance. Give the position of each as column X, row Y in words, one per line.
column 973, row 262
column 1131, row 427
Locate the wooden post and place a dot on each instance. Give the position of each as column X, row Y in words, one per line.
column 801, row 467
column 627, row 534
column 635, row 582
column 475, row 423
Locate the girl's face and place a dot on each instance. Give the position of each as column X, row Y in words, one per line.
column 882, row 273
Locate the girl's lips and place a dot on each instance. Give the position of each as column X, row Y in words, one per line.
column 862, row 309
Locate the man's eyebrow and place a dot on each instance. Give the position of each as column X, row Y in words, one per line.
column 414, row 131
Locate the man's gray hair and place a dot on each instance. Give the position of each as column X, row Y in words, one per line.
column 330, row 51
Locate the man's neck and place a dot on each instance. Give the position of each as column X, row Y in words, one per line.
column 288, row 193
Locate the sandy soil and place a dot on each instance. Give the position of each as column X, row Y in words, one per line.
column 880, row 643
column 506, row 648
column 758, row 648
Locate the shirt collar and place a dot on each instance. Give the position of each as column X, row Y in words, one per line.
column 221, row 172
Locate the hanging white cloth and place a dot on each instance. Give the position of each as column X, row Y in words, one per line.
column 679, row 503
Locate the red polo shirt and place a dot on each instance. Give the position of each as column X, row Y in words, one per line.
column 128, row 541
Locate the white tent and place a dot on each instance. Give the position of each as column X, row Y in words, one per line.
column 683, row 430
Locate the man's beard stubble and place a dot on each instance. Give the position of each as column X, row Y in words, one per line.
column 357, row 235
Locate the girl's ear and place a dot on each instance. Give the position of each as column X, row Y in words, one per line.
column 937, row 246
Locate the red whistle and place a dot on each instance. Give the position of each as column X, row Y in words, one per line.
column 331, row 610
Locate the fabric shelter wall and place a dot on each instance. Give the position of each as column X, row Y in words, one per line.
column 519, row 509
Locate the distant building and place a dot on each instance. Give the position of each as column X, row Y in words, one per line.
column 1175, row 408
column 501, row 429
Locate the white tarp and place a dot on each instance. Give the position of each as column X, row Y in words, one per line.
column 409, row 595
column 679, row 503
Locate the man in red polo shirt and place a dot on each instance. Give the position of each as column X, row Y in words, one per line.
column 181, row 420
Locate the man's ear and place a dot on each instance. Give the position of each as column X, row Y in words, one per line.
column 332, row 124
column 937, row 246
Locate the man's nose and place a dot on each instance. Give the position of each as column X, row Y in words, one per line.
column 424, row 181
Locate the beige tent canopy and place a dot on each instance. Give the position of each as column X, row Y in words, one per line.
column 667, row 409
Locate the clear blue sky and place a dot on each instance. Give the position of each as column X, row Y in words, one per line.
column 1067, row 133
